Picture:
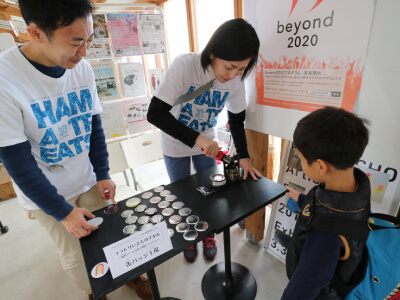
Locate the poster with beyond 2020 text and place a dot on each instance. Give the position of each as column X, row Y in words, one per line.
column 385, row 197
column 312, row 52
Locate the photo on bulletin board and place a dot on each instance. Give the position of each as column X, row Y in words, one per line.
column 101, row 46
column 124, row 34
column 152, row 33
column 309, row 56
column 132, row 79
column 106, row 82
column 385, row 197
column 156, row 76
column 113, row 121
column 136, row 114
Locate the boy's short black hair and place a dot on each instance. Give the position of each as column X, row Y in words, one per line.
column 50, row 15
column 333, row 135
column 234, row 40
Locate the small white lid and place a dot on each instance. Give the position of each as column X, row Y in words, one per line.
column 96, row 221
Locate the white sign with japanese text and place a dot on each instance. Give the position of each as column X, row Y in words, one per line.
column 137, row 249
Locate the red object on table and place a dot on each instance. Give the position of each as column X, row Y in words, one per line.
column 219, row 156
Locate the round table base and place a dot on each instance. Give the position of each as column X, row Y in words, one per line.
column 242, row 285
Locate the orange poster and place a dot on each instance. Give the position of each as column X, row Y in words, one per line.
column 312, row 52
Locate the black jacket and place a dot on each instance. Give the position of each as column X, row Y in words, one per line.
column 354, row 206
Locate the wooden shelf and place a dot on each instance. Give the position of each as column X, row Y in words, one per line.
column 6, row 8
column 6, row 187
column 9, row 10
column 23, row 37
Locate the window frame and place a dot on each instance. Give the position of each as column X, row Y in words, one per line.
column 192, row 20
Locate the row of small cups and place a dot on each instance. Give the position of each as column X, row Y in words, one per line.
column 148, row 221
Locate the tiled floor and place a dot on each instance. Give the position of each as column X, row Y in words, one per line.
column 30, row 267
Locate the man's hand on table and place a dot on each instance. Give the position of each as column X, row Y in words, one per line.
column 76, row 224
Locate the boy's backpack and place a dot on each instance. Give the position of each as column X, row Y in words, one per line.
column 382, row 275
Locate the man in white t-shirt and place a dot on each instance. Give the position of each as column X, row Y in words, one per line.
column 51, row 138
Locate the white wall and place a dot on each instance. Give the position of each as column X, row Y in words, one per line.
column 380, row 89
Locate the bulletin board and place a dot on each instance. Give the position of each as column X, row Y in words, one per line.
column 377, row 98
column 129, row 59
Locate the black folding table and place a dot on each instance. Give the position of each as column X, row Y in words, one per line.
column 221, row 210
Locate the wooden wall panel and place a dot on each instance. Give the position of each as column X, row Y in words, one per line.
column 257, row 144
column 191, row 21
column 238, row 8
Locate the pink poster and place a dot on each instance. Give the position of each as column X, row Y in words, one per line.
column 124, row 34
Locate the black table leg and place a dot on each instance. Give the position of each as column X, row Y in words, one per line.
column 153, row 284
column 151, row 275
column 228, row 281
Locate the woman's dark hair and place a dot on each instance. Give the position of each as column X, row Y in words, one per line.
column 234, row 40
column 333, row 135
column 50, row 15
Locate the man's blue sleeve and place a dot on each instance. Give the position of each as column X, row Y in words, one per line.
column 23, row 169
column 98, row 154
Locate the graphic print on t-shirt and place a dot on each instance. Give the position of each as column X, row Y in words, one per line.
column 201, row 114
column 66, row 124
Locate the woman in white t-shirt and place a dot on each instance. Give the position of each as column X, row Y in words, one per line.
column 188, row 129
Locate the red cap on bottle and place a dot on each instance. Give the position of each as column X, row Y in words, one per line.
column 220, row 155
